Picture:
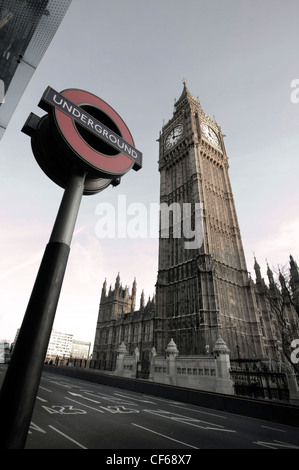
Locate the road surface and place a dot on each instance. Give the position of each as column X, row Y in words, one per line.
column 74, row 414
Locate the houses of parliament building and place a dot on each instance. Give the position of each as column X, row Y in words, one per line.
column 203, row 290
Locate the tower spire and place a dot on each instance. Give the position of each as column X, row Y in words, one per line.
column 134, row 291
column 294, row 271
column 104, row 288
column 257, row 269
column 142, row 303
column 185, row 98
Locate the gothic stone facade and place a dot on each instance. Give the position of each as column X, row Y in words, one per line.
column 118, row 321
column 203, row 288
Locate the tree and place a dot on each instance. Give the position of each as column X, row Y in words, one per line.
column 282, row 302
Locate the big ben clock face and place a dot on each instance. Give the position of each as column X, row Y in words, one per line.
column 174, row 136
column 210, row 134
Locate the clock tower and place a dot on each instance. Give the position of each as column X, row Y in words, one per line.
column 203, row 288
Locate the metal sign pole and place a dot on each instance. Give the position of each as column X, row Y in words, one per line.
column 60, row 149
column 21, row 382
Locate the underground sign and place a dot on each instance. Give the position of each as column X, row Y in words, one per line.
column 83, row 131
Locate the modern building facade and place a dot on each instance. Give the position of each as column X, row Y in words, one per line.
column 4, row 352
column 80, row 349
column 203, row 287
column 26, row 30
column 60, row 345
column 63, row 347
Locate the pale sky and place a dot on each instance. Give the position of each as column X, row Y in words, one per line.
column 239, row 58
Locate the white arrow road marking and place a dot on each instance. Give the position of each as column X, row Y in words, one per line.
column 119, row 409
column 84, row 404
column 135, row 399
column 115, row 400
column 35, row 427
column 190, row 421
column 84, row 398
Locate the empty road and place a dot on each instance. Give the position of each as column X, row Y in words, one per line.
column 74, row 414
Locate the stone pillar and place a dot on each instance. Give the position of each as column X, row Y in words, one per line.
column 136, row 356
column 153, row 354
column 293, row 386
column 121, row 353
column 221, row 352
column 224, row 382
column 171, row 354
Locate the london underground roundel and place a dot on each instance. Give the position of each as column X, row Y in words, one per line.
column 83, row 131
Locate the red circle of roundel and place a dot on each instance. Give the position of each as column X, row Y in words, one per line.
column 110, row 164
